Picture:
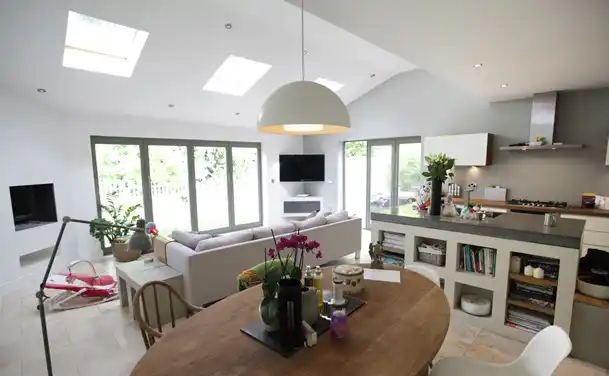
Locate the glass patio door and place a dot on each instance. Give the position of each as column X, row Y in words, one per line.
column 381, row 177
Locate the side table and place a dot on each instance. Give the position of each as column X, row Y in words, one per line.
column 133, row 275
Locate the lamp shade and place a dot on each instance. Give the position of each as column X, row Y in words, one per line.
column 303, row 107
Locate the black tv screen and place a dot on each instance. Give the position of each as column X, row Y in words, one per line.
column 302, row 167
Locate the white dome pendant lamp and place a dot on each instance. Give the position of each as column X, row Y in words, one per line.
column 303, row 107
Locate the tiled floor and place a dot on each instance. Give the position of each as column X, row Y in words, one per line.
column 103, row 340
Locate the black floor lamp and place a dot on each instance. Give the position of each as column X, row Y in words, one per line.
column 138, row 241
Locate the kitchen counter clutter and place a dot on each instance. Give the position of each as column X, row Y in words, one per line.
column 478, row 259
column 570, row 209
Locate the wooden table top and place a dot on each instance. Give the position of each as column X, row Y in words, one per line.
column 398, row 332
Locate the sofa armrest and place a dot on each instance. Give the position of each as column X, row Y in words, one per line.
column 179, row 257
column 159, row 247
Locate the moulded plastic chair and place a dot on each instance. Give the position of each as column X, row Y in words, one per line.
column 426, row 272
column 541, row 357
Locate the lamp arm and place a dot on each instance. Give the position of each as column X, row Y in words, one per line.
column 40, row 293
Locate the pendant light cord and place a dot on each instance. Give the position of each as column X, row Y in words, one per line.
column 302, row 49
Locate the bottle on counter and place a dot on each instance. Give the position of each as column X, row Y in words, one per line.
column 318, row 284
column 308, row 277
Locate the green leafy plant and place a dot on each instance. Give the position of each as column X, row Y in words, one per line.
column 437, row 167
column 119, row 215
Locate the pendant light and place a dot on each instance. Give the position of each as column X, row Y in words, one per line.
column 303, row 107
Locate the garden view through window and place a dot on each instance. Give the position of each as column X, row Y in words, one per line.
column 185, row 185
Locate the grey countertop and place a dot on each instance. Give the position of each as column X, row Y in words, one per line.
column 514, row 226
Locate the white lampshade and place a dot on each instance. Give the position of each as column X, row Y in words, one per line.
column 303, row 107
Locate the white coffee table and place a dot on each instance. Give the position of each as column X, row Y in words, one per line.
column 133, row 275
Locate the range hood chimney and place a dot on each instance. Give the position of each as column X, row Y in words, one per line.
column 543, row 116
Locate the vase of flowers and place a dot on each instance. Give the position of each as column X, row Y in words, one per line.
column 437, row 173
column 281, row 287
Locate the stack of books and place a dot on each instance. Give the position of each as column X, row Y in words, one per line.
column 525, row 320
column 538, row 295
column 478, row 259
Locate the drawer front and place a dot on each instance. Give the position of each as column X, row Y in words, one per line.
column 596, row 238
column 597, row 224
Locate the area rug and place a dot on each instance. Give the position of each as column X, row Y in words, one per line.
column 393, row 258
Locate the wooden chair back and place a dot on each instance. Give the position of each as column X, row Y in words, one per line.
column 151, row 293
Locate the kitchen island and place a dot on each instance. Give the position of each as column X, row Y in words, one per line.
column 510, row 234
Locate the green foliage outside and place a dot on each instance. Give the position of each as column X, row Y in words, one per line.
column 119, row 215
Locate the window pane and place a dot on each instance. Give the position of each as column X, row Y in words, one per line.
column 245, row 185
column 212, row 188
column 355, row 178
column 169, row 187
column 119, row 174
column 380, row 176
column 409, row 175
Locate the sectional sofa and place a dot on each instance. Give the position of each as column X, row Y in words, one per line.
column 210, row 264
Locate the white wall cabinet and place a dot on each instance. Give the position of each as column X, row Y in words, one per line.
column 467, row 149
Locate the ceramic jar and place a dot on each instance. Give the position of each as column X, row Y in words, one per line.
column 353, row 275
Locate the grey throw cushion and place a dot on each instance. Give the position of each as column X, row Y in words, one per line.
column 188, row 239
column 261, row 232
column 337, row 217
column 231, row 238
column 318, row 220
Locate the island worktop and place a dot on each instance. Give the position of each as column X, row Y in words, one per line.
column 513, row 226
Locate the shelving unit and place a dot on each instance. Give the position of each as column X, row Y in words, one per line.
column 600, row 303
column 392, row 241
column 497, row 288
column 438, row 246
column 477, row 260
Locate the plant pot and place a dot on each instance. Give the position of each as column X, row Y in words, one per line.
column 268, row 310
column 290, row 313
column 122, row 253
column 435, row 207
column 310, row 308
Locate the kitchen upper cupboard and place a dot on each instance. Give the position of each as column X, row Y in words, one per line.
column 467, row 149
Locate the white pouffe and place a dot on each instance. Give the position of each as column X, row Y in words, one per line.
column 476, row 305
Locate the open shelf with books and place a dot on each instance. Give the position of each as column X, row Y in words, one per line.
column 478, row 260
column 531, row 301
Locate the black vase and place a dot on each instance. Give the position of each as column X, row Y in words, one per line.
column 436, row 197
column 290, row 313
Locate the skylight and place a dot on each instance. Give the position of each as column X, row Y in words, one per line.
column 332, row 85
column 100, row 46
column 236, row 76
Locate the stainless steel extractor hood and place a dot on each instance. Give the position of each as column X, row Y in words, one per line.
column 543, row 118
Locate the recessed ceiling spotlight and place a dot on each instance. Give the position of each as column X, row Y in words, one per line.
column 372, row 75
column 41, row 90
column 237, row 113
column 504, row 85
column 228, row 26
column 479, row 65
column 171, row 105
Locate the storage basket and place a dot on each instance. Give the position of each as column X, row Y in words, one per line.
column 434, row 256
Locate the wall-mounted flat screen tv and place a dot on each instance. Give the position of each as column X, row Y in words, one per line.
column 301, row 167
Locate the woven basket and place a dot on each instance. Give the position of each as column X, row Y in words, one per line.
column 122, row 253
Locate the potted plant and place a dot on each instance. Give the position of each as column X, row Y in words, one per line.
column 437, row 173
column 117, row 237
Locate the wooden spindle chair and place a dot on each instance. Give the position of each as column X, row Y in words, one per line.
column 149, row 334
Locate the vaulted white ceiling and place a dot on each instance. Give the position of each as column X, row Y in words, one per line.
column 188, row 41
column 531, row 45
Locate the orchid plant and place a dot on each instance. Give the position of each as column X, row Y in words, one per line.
column 292, row 260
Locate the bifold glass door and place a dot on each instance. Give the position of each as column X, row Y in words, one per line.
column 381, row 174
column 181, row 184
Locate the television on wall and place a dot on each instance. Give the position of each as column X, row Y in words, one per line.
column 301, row 167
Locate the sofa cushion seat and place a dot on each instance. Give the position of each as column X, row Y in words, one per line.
column 188, row 239
column 318, row 220
column 224, row 240
column 337, row 217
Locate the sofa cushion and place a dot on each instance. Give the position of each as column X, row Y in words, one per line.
column 223, row 240
column 261, row 232
column 188, row 239
column 337, row 217
column 283, row 228
column 318, row 220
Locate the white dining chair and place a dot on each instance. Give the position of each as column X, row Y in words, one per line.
column 541, row 357
column 426, row 272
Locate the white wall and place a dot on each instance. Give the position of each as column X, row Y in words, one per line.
column 42, row 145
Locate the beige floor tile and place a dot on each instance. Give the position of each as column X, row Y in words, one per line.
column 488, row 354
column 575, row 367
column 13, row 369
column 462, row 333
column 502, row 344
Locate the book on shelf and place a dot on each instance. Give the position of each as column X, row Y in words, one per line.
column 527, row 288
column 537, row 299
column 479, row 260
column 527, row 320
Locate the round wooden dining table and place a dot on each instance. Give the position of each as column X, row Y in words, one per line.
column 398, row 331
